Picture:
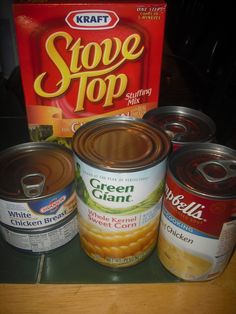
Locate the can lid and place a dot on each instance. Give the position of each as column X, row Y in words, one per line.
column 206, row 168
column 120, row 144
column 183, row 124
column 35, row 170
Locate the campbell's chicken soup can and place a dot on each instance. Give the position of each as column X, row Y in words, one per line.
column 120, row 170
column 183, row 125
column 198, row 227
column 37, row 192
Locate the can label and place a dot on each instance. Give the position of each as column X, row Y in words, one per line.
column 119, row 212
column 42, row 242
column 39, row 213
column 197, row 234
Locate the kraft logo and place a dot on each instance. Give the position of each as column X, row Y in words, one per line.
column 92, row 19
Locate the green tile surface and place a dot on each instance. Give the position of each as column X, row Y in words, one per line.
column 69, row 264
column 16, row 266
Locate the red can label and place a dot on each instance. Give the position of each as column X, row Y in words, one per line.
column 197, row 234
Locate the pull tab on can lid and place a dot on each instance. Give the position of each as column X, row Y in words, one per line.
column 176, row 130
column 205, row 168
column 183, row 125
column 35, row 170
column 228, row 169
column 33, row 184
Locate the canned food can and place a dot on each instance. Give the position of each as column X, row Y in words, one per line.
column 183, row 125
column 42, row 240
column 198, row 227
column 37, row 185
column 120, row 170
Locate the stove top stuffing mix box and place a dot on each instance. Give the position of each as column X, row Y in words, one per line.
column 85, row 60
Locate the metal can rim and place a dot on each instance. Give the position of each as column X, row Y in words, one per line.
column 187, row 112
column 166, row 143
column 220, row 149
column 30, row 146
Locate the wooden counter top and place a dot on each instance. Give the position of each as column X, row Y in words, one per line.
column 212, row 297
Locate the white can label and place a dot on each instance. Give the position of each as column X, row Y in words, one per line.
column 42, row 242
column 38, row 213
column 119, row 212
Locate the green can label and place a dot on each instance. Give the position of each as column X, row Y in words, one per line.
column 119, row 212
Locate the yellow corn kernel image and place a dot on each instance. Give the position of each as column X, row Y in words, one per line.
column 118, row 248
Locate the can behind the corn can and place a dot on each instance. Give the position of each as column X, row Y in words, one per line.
column 37, row 196
column 183, row 125
column 198, row 227
column 120, row 166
